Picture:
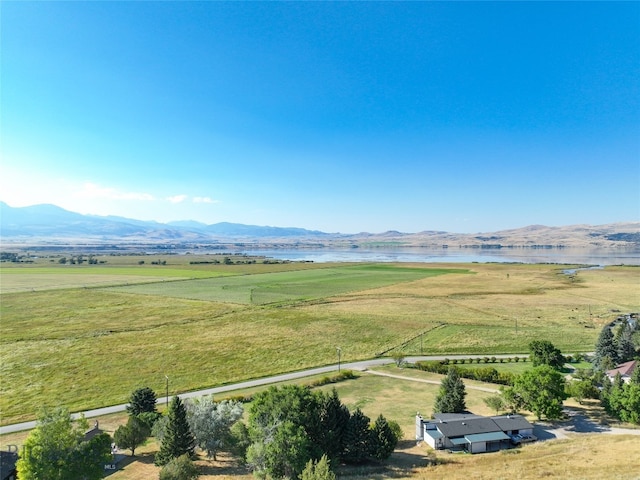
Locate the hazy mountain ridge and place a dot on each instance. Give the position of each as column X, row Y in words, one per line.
column 52, row 224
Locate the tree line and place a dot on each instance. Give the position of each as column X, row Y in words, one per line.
column 291, row 432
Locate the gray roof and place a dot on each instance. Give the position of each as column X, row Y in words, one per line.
column 487, row 437
column 448, row 417
column 468, row 426
column 512, row 422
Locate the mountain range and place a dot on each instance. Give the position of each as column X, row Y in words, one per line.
column 47, row 224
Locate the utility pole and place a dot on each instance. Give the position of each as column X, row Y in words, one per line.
column 338, row 351
column 167, row 390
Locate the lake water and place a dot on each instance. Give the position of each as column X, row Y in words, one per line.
column 576, row 256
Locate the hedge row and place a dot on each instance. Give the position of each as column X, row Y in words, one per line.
column 482, row 374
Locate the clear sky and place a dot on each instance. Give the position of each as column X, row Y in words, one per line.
column 341, row 117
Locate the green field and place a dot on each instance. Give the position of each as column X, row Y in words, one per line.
column 90, row 347
column 265, row 288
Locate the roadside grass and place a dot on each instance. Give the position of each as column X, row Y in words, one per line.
column 86, row 348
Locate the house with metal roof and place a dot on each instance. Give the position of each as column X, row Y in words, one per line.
column 471, row 433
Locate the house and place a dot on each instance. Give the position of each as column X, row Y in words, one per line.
column 624, row 369
column 8, row 465
column 472, row 433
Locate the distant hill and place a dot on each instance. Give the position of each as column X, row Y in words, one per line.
column 40, row 224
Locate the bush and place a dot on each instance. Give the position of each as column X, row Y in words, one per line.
column 181, row 468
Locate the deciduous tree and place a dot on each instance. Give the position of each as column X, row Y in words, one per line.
column 181, row 468
column 542, row 390
column 132, row 435
column 56, row 450
column 320, row 470
column 211, row 422
column 544, row 352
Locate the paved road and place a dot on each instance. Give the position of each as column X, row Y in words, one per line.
column 18, row 427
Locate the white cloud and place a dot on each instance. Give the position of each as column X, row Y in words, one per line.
column 177, row 198
column 203, row 200
column 92, row 190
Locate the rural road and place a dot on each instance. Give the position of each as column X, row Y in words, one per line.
column 363, row 365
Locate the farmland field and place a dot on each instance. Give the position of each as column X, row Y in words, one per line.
column 267, row 288
column 90, row 347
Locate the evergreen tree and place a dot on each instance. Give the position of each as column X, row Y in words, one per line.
column 178, row 439
column 334, row 417
column 320, row 470
column 605, row 349
column 142, row 400
column 357, row 442
column 626, row 348
column 450, row 398
column 383, row 439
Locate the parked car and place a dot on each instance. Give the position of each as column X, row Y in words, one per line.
column 523, row 438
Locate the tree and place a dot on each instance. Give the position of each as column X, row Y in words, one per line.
column 357, row 441
column 542, row 390
column 180, row 468
column 132, row 435
column 211, row 422
column 383, row 439
column 544, row 352
column 626, row 348
column 178, row 439
column 334, row 417
column 239, row 440
column 56, row 450
column 142, row 400
column 284, row 427
column 606, row 353
column 450, row 398
column 581, row 389
column 320, row 470
column 494, row 402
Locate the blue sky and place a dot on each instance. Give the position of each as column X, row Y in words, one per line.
column 341, row 117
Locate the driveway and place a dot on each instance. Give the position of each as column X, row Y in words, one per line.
column 577, row 423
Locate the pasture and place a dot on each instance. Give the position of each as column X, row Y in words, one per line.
column 90, row 347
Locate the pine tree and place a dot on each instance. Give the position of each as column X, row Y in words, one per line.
column 605, row 349
column 178, row 439
column 142, row 400
column 450, row 398
column 357, row 438
column 626, row 348
column 383, row 439
column 334, row 417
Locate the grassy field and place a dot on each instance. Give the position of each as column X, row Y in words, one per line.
column 583, row 456
column 90, row 347
column 269, row 288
